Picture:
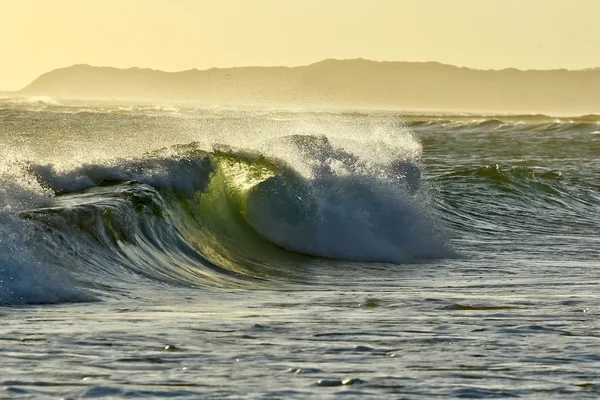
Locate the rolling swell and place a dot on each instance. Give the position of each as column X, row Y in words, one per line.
column 512, row 124
column 519, row 200
column 219, row 219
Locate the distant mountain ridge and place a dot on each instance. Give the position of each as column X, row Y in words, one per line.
column 338, row 83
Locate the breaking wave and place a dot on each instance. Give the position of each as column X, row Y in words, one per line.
column 221, row 218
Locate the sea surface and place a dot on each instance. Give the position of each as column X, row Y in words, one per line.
column 157, row 251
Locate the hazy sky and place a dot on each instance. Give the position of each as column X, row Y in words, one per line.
column 39, row 35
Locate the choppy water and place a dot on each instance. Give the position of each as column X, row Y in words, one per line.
column 157, row 251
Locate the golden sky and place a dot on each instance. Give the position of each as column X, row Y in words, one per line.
column 39, row 35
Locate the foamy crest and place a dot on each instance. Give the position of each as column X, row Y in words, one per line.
column 181, row 173
column 351, row 202
column 19, row 189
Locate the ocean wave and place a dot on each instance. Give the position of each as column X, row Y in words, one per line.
column 506, row 124
column 514, row 199
column 224, row 218
column 508, row 174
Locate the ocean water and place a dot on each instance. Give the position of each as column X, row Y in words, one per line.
column 151, row 251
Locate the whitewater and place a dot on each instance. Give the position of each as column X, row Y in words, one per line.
column 152, row 251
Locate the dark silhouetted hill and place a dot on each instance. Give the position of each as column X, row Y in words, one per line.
column 339, row 83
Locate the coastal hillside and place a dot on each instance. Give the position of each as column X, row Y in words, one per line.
column 357, row 83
